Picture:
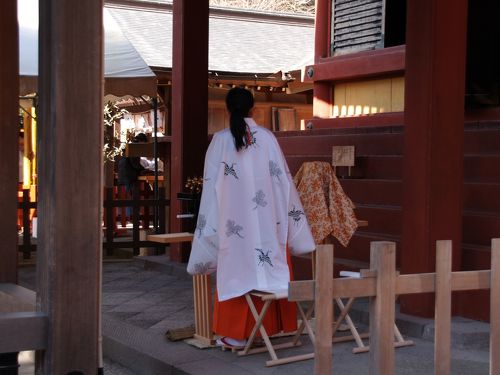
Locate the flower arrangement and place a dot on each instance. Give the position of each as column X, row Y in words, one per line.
column 194, row 184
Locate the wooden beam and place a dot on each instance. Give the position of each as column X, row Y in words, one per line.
column 70, row 183
column 377, row 63
column 9, row 122
column 23, row 331
column 376, row 120
column 189, row 103
column 433, row 137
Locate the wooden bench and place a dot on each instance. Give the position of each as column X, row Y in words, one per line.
column 202, row 291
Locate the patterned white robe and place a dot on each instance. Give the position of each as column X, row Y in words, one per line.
column 249, row 211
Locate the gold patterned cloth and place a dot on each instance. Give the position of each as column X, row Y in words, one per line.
column 328, row 209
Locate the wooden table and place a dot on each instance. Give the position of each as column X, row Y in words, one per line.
column 202, row 291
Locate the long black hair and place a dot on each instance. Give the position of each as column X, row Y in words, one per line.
column 239, row 102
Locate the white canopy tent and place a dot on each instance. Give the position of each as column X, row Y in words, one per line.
column 125, row 72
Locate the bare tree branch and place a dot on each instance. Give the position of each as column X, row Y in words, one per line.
column 285, row 6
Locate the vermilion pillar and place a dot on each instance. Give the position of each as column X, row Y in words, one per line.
column 434, row 134
column 322, row 91
column 189, row 102
column 9, row 123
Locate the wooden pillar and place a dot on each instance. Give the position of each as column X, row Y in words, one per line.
column 434, row 134
column 70, row 183
column 9, row 122
column 189, row 102
column 322, row 91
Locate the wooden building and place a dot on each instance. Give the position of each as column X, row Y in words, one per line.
column 429, row 171
column 411, row 84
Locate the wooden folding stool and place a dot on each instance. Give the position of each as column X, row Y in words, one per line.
column 267, row 298
column 355, row 335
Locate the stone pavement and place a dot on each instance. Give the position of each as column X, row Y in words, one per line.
column 144, row 298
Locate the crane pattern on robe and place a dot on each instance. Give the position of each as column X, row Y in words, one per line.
column 259, row 199
column 275, row 170
column 202, row 223
column 296, row 215
column 264, row 257
column 229, row 170
column 233, row 228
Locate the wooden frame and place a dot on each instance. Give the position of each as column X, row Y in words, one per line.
column 384, row 285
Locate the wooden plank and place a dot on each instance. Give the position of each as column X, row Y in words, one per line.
column 470, row 280
column 495, row 307
column 415, row 283
column 9, row 91
column 382, row 308
column 323, row 310
column 70, row 181
column 302, row 290
column 442, row 316
column 374, row 120
column 23, row 331
column 171, row 237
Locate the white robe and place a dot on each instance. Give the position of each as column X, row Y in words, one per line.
column 249, row 211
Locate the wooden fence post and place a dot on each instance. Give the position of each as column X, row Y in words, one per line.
column 324, row 310
column 495, row 307
column 442, row 315
column 382, row 310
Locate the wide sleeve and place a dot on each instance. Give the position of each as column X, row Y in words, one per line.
column 204, row 250
column 299, row 237
column 300, row 240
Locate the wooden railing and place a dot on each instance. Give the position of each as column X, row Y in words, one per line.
column 114, row 211
column 382, row 283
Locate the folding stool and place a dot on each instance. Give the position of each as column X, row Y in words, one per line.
column 355, row 335
column 267, row 298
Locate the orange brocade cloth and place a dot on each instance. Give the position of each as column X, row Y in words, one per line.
column 328, row 209
column 233, row 318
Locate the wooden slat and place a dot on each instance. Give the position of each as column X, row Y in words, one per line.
column 495, row 308
column 382, row 308
column 442, row 316
column 301, row 290
column 171, row 237
column 415, row 283
column 324, row 310
column 470, row 280
column 23, row 331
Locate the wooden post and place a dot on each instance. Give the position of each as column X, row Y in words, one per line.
column 442, row 317
column 189, row 103
column 433, row 137
column 382, row 308
column 324, row 310
column 495, row 307
column 70, row 181
column 9, row 120
column 322, row 100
